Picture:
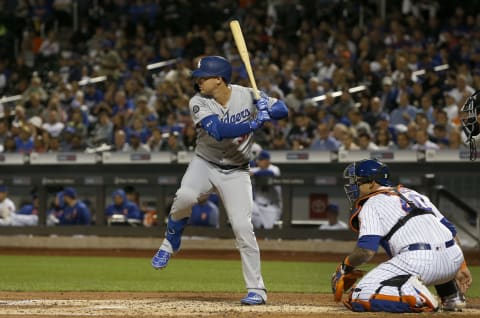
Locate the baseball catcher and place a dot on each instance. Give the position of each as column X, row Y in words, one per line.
column 395, row 218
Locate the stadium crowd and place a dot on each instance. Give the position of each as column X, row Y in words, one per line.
column 417, row 66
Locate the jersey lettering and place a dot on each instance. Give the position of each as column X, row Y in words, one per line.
column 236, row 118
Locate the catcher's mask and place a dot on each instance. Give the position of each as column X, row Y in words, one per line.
column 470, row 125
column 364, row 171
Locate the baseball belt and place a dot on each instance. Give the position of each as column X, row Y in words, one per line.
column 426, row 246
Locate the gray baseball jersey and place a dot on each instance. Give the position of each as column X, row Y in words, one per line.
column 240, row 108
column 205, row 174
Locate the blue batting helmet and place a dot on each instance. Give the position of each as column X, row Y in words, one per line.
column 214, row 66
column 364, row 171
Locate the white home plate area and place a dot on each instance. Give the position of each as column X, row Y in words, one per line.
column 149, row 308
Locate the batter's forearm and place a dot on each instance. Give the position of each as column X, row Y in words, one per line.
column 359, row 256
column 215, row 128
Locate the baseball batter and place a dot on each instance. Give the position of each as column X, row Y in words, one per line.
column 419, row 257
column 225, row 116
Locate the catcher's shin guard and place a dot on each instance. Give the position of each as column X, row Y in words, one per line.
column 174, row 232
column 422, row 300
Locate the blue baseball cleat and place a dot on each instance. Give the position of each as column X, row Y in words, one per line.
column 160, row 259
column 252, row 299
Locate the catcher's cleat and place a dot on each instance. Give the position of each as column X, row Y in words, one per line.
column 160, row 259
column 252, row 299
column 455, row 302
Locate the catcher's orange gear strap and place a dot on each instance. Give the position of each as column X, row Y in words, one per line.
column 354, row 223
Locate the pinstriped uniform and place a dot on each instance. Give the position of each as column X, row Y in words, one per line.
column 433, row 266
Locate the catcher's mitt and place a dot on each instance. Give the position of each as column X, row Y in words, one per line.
column 343, row 279
column 463, row 278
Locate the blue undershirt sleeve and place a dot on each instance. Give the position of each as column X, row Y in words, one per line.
column 369, row 242
column 218, row 130
column 278, row 110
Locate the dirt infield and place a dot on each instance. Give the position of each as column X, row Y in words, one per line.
column 211, row 305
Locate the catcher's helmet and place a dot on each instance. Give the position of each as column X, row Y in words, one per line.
column 214, row 66
column 364, row 171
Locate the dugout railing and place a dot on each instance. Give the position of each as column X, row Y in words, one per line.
column 309, row 180
column 467, row 222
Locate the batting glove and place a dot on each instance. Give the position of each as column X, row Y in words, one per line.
column 262, row 103
column 262, row 116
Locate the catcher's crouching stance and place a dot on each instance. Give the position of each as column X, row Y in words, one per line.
column 420, row 241
column 402, row 293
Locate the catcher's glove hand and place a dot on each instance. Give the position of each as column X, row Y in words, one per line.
column 343, row 279
column 463, row 278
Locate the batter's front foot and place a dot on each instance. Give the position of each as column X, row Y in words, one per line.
column 160, row 259
column 253, row 299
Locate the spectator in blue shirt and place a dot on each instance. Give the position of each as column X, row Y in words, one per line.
column 404, row 113
column 92, row 96
column 24, row 141
column 122, row 210
column 323, row 141
column 123, row 105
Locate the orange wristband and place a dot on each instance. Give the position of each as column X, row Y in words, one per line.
column 464, row 265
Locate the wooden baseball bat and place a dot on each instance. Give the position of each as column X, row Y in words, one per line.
column 242, row 50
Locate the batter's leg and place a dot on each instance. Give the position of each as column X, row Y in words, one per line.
column 235, row 190
column 194, row 183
